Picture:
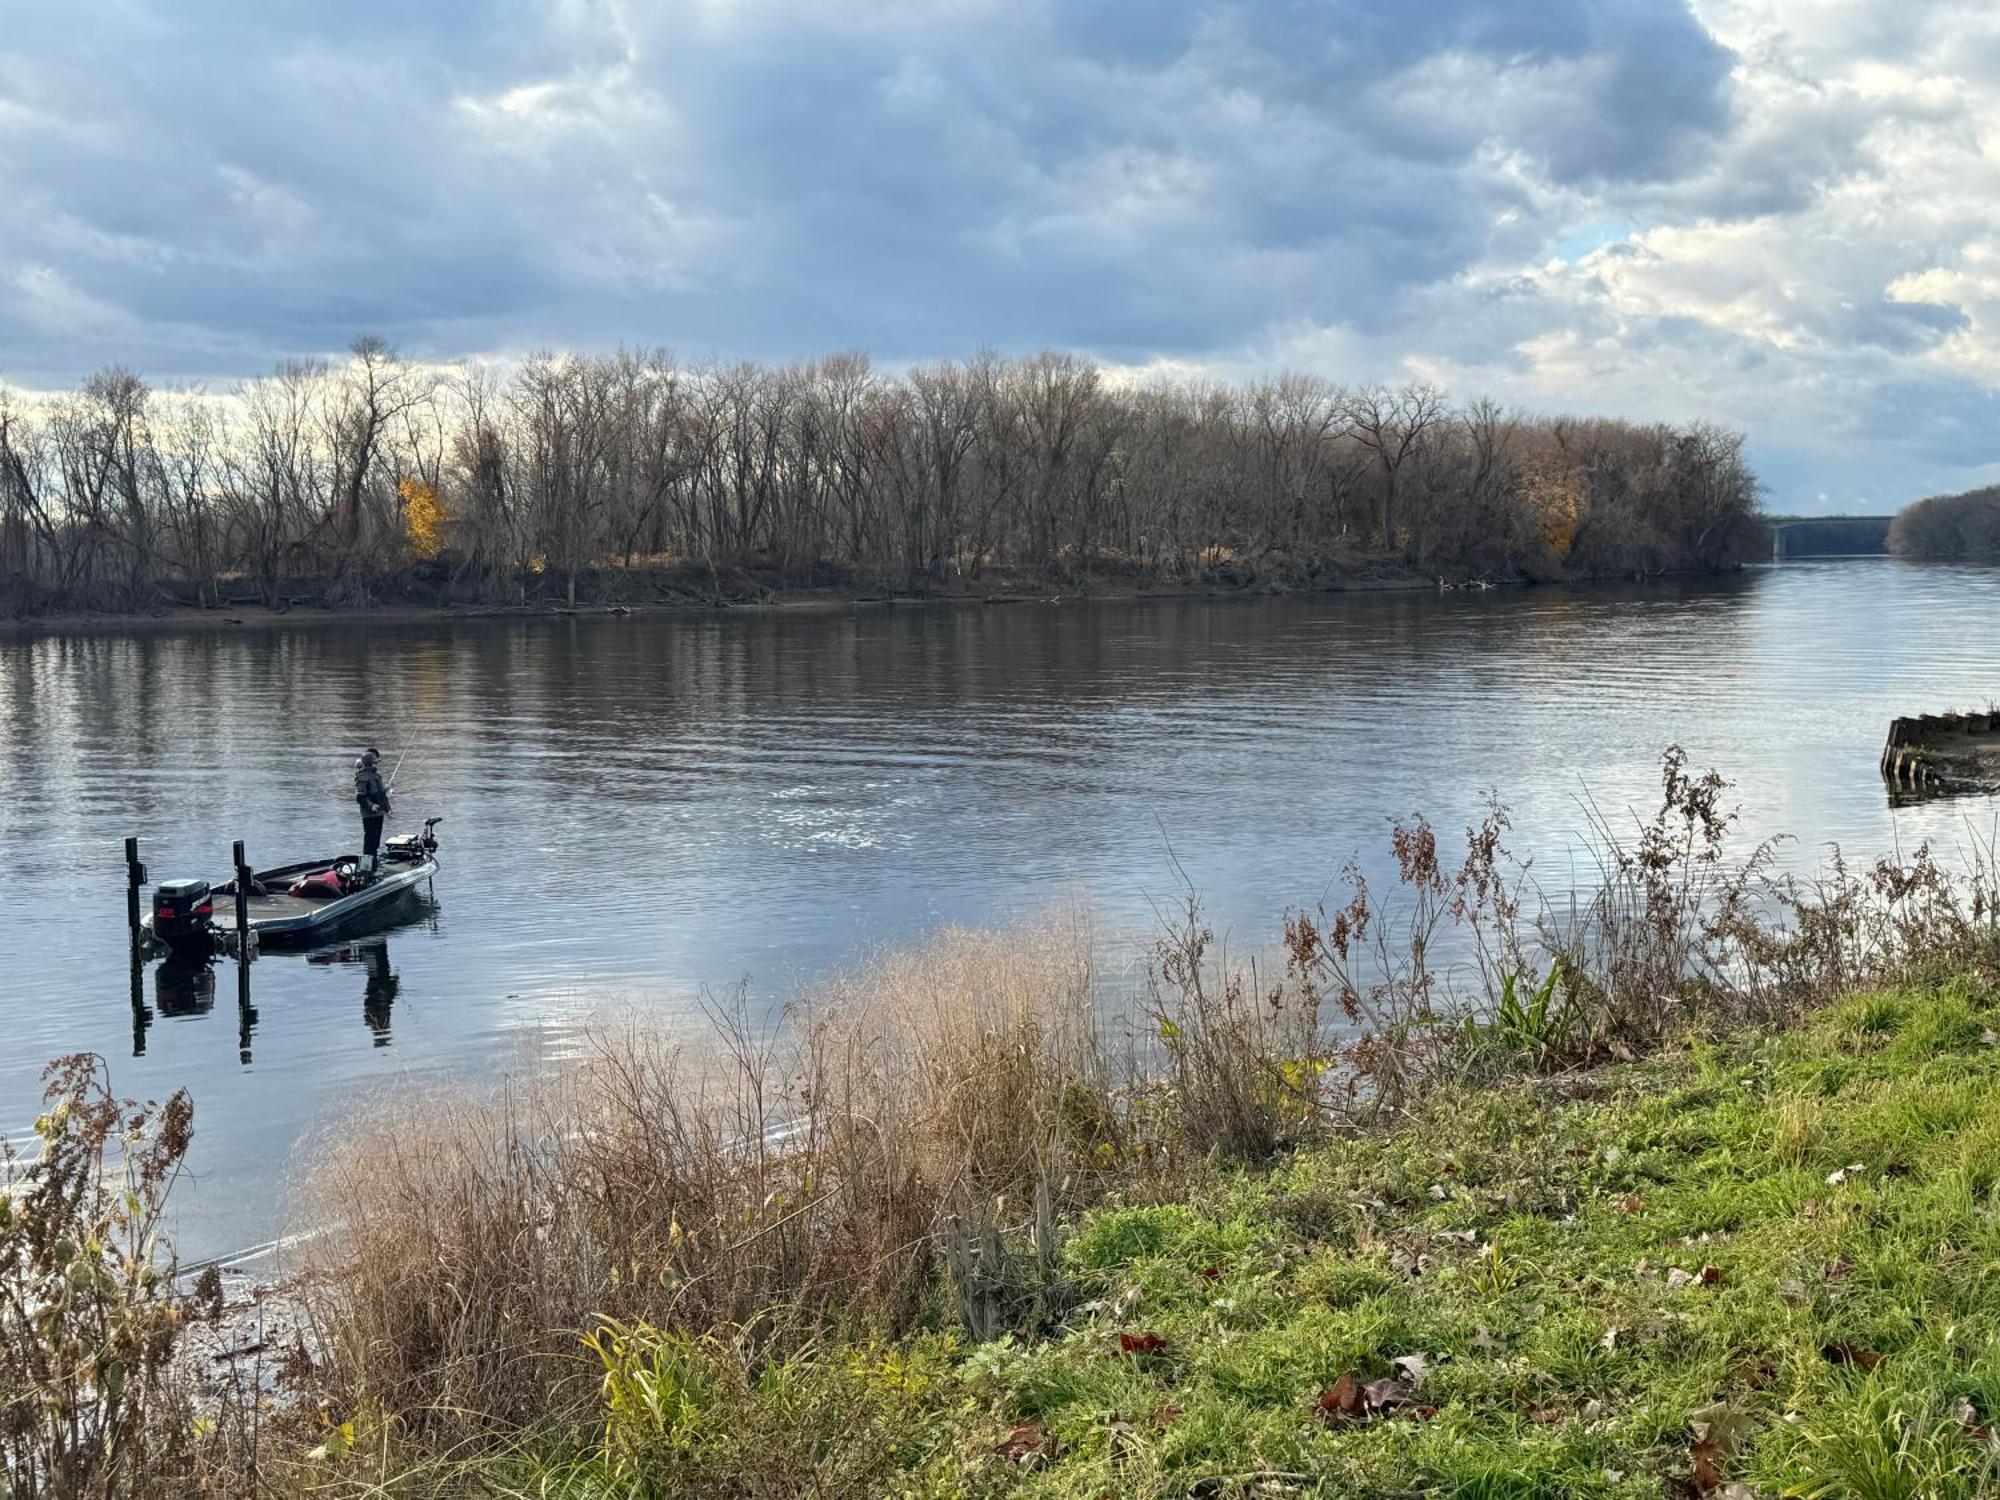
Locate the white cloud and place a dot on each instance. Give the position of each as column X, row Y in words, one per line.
column 1777, row 214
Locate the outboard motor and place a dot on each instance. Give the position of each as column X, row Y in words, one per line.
column 184, row 918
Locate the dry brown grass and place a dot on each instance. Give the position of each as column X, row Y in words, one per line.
column 768, row 1186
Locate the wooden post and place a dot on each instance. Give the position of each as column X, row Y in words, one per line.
column 242, row 907
column 135, row 880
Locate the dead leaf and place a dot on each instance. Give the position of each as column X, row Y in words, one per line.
column 1722, row 1424
column 1414, row 1366
column 1543, row 1416
column 1707, row 1466
column 1341, row 1401
column 1710, row 1275
column 1631, row 1203
column 1166, row 1414
column 1028, row 1445
column 1793, row 1292
column 1140, row 1343
column 1839, row 1175
column 1756, row 1374
column 1485, row 1343
column 1609, row 1343
column 1847, row 1354
column 1837, row 1270
column 1677, row 1278
column 1385, row 1395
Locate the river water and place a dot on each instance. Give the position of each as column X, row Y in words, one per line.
column 643, row 810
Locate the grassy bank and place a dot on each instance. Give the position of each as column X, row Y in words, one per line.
column 1684, row 1184
column 1765, row 1262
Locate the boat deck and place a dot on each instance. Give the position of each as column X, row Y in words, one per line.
column 278, row 906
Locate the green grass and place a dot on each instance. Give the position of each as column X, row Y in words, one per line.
column 1789, row 1245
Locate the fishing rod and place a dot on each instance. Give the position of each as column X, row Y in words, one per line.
column 390, row 785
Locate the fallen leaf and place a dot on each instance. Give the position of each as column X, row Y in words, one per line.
column 1847, row 1354
column 1677, row 1278
column 1722, row 1424
column 1485, row 1343
column 1610, row 1340
column 1415, row 1366
column 1341, row 1401
column 1707, row 1458
column 1710, row 1275
column 1631, row 1203
column 1793, row 1292
column 1211, row 1273
column 1543, row 1416
column 1140, row 1343
column 1166, row 1414
column 1029, row 1444
column 1756, row 1374
column 1989, row 1037
column 1836, row 1177
column 1385, row 1395
column 1836, row 1270
column 1403, row 1263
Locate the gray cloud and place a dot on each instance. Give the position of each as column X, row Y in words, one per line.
column 199, row 190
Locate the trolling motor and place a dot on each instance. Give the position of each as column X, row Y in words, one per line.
column 184, row 919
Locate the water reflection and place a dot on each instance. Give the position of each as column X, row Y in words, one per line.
column 184, row 989
column 644, row 809
column 379, row 990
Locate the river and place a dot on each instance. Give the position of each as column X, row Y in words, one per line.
column 643, row 810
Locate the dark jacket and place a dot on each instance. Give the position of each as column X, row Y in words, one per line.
column 369, row 792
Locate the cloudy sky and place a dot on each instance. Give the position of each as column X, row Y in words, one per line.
column 1779, row 214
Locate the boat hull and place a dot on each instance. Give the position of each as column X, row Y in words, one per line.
column 277, row 919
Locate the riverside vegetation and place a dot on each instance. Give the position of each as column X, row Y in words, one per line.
column 1949, row 527
column 1687, row 1186
column 633, row 477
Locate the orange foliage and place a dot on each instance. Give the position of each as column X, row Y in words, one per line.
column 424, row 517
column 1552, row 485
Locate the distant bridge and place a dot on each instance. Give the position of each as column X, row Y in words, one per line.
column 1827, row 536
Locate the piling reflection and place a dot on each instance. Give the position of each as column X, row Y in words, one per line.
column 183, row 989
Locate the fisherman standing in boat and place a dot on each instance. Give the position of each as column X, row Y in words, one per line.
column 372, row 796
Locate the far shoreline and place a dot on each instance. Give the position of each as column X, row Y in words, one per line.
column 803, row 602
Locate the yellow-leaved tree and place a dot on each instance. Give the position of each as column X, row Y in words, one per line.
column 1553, row 486
column 424, row 517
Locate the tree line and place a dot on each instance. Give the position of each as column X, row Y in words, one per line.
column 1949, row 526
column 603, row 475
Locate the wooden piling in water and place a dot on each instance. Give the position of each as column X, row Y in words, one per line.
column 243, row 946
column 135, row 881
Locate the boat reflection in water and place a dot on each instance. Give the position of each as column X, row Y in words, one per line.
column 184, row 989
